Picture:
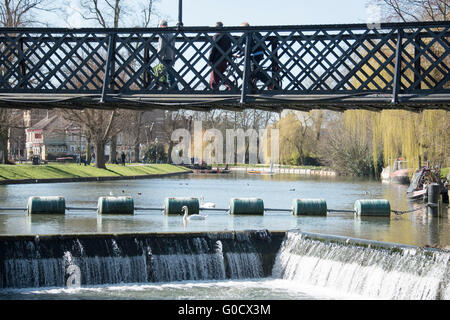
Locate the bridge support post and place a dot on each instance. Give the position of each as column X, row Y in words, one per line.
column 22, row 65
column 417, row 67
column 146, row 72
column 398, row 67
column 109, row 61
column 247, row 71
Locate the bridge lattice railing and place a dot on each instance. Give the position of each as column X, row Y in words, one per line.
column 333, row 59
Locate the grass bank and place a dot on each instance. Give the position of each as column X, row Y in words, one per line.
column 61, row 171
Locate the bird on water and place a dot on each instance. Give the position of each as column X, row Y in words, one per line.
column 187, row 217
column 204, row 204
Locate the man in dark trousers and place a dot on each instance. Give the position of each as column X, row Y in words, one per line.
column 166, row 52
column 257, row 53
column 123, row 158
column 217, row 59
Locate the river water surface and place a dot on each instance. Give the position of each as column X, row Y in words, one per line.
column 277, row 191
column 414, row 228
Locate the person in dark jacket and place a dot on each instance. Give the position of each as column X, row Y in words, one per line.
column 257, row 53
column 217, row 59
column 166, row 52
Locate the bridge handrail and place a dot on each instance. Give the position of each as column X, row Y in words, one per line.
column 311, row 27
column 388, row 58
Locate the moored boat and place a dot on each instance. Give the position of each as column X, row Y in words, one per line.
column 420, row 180
column 399, row 173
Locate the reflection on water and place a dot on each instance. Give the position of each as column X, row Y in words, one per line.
column 277, row 191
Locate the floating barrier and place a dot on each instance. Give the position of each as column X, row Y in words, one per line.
column 238, row 206
column 46, row 205
column 115, row 205
column 376, row 207
column 247, row 206
column 312, row 207
column 173, row 205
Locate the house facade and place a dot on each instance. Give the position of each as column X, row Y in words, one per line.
column 53, row 138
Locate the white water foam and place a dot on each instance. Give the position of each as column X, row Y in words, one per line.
column 368, row 272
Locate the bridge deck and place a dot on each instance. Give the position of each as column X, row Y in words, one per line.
column 206, row 102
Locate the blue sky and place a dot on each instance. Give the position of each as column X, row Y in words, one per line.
column 256, row 12
column 266, row 12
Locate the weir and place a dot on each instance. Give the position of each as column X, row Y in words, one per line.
column 366, row 268
column 50, row 260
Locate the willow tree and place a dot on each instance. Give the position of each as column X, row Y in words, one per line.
column 416, row 136
column 299, row 133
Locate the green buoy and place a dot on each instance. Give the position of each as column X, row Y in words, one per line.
column 375, row 207
column 313, row 207
column 247, row 206
column 173, row 206
column 115, row 205
column 46, row 205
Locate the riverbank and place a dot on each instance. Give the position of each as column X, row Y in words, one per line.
column 26, row 173
column 264, row 168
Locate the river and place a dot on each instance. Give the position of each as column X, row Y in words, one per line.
column 414, row 228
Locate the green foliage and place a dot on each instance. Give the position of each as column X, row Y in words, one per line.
column 155, row 152
column 445, row 172
column 299, row 134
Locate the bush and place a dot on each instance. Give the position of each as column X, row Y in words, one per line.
column 347, row 154
column 155, row 153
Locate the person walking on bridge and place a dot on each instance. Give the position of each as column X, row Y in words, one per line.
column 257, row 53
column 218, row 57
column 166, row 52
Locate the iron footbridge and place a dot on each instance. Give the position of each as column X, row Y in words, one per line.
column 336, row 67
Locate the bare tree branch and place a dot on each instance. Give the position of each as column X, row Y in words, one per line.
column 417, row 10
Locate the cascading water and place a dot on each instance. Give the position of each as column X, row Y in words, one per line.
column 365, row 270
column 90, row 260
column 353, row 267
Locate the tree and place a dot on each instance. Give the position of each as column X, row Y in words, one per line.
column 119, row 13
column 345, row 152
column 103, row 126
column 299, row 135
column 99, row 124
column 423, row 135
column 155, row 152
column 22, row 13
column 416, row 10
column 15, row 14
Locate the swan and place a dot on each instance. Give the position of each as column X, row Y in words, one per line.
column 206, row 204
column 187, row 217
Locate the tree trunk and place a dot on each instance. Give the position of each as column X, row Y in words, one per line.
column 136, row 153
column 113, row 149
column 169, row 152
column 4, row 148
column 137, row 135
column 100, row 154
column 88, row 149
